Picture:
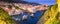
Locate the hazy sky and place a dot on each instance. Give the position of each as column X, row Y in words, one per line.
column 49, row 2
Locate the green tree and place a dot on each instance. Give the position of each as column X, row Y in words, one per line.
column 5, row 18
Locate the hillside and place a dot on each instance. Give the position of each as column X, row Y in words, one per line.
column 19, row 1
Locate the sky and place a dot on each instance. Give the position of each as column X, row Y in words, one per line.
column 49, row 2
